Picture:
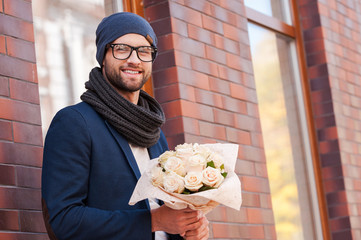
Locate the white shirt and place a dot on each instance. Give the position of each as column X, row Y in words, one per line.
column 141, row 155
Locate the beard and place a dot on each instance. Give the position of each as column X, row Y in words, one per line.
column 117, row 81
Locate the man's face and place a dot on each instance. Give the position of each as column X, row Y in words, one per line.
column 127, row 75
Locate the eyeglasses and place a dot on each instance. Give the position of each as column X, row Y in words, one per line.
column 123, row 51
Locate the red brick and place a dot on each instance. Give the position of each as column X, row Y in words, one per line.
column 168, row 93
column 16, row 27
column 1, row 7
column 211, row 130
column 32, row 221
column 164, row 60
column 266, row 201
column 231, row 32
column 23, row 236
column 340, row 224
column 334, row 185
column 255, row 184
column 6, row 132
column 165, row 43
column 21, row 154
column 338, row 211
column 187, row 92
column 16, row 68
column 27, row 133
column 174, row 126
column 183, row 59
column 329, row 146
column 193, row 78
column 162, row 27
column 201, row 34
column 28, row 177
column 189, row 45
column 7, row 175
column 24, row 91
column 197, row 111
column 4, row 86
column 9, row 220
column 172, row 109
column 179, row 27
column 182, row 12
column 234, row 105
column 191, row 125
column 157, row 12
column 208, row 98
column 216, row 55
column 19, row 8
column 212, row 24
column 250, row 200
column 218, row 214
column 336, row 198
column 201, row 6
column 260, row 216
column 20, row 198
column 20, row 111
column 21, row 49
column 2, row 44
column 219, row 86
column 165, row 77
column 238, row 136
column 329, row 133
column 236, row 216
column 204, row 66
column 224, row 117
column 247, row 123
column 229, row 74
column 238, row 231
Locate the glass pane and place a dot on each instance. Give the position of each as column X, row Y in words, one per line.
column 65, row 50
column 273, row 8
column 283, row 134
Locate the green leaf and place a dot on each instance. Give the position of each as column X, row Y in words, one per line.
column 224, row 174
column 211, row 164
column 222, row 166
column 205, row 188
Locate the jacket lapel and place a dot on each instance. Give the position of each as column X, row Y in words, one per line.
column 124, row 145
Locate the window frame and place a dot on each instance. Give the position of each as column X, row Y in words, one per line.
column 295, row 32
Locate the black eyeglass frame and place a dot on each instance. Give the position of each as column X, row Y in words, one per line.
column 154, row 53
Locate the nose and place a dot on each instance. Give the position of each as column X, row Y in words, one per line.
column 133, row 58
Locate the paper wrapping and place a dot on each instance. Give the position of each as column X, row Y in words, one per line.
column 229, row 192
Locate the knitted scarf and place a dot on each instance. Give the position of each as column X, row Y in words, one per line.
column 139, row 124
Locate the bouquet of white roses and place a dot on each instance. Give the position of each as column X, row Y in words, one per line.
column 189, row 169
column 196, row 175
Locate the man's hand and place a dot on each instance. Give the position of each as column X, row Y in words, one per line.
column 191, row 224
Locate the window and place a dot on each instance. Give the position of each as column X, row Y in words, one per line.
column 284, row 120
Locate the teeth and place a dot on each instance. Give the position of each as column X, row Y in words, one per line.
column 131, row 72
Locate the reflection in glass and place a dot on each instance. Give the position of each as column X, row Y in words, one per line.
column 275, row 8
column 286, row 152
column 65, row 50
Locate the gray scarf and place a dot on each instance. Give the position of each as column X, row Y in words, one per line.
column 139, row 124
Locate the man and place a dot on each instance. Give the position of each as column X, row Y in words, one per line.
column 95, row 151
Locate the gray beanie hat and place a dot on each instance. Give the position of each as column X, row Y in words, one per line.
column 119, row 24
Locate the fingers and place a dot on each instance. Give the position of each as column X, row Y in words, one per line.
column 200, row 232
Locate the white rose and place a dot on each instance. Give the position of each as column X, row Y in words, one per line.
column 193, row 181
column 203, row 150
column 212, row 177
column 164, row 157
column 173, row 183
column 184, row 151
column 174, row 164
column 216, row 158
column 196, row 163
column 157, row 176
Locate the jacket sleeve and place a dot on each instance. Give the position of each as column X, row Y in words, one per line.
column 65, row 176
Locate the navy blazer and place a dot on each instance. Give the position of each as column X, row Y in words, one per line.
column 89, row 173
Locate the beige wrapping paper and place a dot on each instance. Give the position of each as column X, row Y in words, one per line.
column 228, row 193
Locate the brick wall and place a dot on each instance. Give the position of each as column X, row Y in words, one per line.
column 20, row 125
column 333, row 47
column 203, row 78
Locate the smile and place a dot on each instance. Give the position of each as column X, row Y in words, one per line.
column 131, row 71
